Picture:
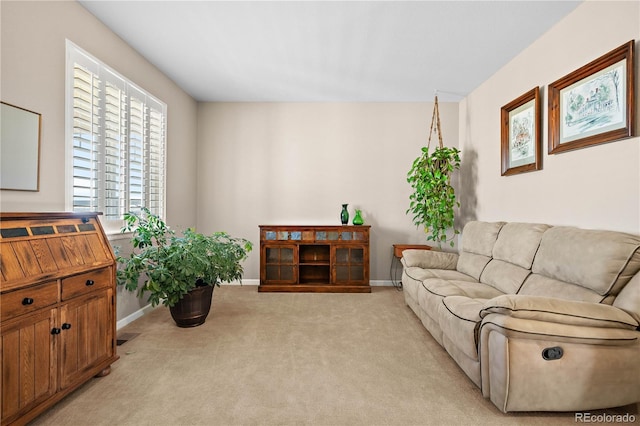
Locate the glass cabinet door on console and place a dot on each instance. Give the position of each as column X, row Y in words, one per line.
column 349, row 265
column 280, row 264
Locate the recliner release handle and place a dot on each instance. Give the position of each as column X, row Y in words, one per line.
column 553, row 353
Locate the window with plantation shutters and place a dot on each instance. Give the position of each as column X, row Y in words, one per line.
column 116, row 141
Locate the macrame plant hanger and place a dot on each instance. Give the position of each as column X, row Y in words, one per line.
column 435, row 119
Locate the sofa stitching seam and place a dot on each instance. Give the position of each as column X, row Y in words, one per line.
column 476, row 329
column 630, row 339
column 622, row 268
column 556, row 313
column 457, row 316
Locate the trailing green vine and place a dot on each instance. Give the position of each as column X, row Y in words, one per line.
column 433, row 200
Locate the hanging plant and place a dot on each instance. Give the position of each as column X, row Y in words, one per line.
column 433, row 199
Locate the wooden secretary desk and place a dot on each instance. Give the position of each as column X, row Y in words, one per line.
column 58, row 310
column 314, row 258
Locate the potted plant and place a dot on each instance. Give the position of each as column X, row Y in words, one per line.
column 179, row 271
column 433, row 199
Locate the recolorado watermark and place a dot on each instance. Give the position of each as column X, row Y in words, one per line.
column 604, row 418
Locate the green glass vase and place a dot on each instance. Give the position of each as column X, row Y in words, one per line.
column 344, row 215
column 357, row 219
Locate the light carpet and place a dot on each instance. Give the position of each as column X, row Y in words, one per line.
column 288, row 359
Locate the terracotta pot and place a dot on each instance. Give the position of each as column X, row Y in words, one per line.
column 193, row 308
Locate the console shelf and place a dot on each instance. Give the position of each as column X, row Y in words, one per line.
column 314, row 258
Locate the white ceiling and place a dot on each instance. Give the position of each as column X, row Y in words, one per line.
column 341, row 51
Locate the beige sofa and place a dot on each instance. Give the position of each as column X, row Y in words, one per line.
column 541, row 318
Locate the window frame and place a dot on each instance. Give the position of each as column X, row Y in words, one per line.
column 155, row 116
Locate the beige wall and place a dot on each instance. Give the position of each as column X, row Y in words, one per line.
column 33, row 76
column 234, row 166
column 296, row 163
column 594, row 187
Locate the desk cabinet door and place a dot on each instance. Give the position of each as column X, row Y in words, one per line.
column 86, row 334
column 28, row 359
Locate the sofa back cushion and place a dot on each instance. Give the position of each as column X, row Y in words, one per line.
column 601, row 262
column 539, row 285
column 518, row 243
column 472, row 264
column 504, row 276
column 478, row 239
column 513, row 255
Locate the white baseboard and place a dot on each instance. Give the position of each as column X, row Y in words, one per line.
column 134, row 316
column 245, row 281
column 380, row 283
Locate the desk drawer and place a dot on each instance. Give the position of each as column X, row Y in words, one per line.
column 85, row 283
column 28, row 300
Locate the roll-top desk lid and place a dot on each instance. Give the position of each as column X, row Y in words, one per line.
column 42, row 246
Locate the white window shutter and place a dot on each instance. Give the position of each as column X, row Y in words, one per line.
column 119, row 139
column 86, row 133
column 155, row 176
column 136, row 154
column 114, row 144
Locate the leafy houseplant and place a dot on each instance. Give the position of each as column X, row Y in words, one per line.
column 433, row 199
column 172, row 266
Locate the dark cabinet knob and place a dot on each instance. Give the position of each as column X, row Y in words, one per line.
column 55, row 331
column 66, row 326
column 85, row 220
column 27, row 301
column 90, row 282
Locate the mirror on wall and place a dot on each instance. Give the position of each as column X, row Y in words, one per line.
column 19, row 148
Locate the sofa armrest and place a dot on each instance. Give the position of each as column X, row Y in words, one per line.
column 554, row 310
column 429, row 259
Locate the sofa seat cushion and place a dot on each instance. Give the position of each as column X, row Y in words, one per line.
column 411, row 279
column 472, row 289
column 416, row 275
column 432, row 291
column 459, row 319
column 420, row 274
